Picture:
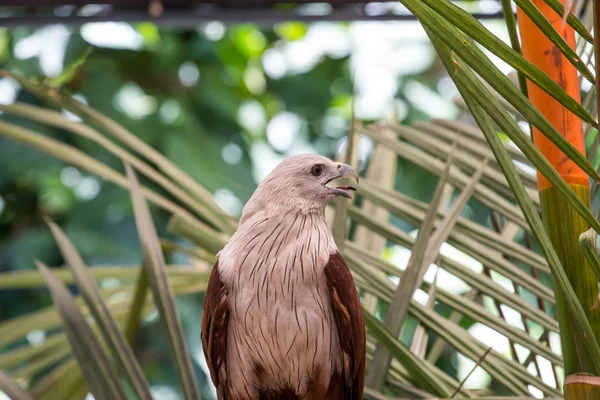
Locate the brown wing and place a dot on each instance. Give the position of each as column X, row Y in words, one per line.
column 215, row 318
column 350, row 324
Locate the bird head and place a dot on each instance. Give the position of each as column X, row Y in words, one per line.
column 303, row 183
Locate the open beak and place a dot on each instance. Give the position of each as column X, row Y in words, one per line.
column 343, row 171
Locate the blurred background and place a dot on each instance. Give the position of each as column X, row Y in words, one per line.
column 226, row 101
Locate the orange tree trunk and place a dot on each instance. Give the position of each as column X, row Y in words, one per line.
column 563, row 223
column 539, row 50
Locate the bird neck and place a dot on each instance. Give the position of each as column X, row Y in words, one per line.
column 283, row 207
column 278, row 213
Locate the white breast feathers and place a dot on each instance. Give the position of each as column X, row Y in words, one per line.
column 281, row 333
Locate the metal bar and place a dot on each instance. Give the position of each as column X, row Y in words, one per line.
column 191, row 18
column 176, row 3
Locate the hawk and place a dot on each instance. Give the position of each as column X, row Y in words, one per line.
column 282, row 317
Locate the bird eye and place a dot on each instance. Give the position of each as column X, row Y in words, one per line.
column 316, row 170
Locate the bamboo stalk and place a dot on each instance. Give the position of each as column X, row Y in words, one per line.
column 582, row 387
column 562, row 222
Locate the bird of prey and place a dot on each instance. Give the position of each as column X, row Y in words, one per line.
column 282, row 316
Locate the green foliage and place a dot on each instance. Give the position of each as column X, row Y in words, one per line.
column 492, row 277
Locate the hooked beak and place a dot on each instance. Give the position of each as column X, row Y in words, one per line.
column 343, row 171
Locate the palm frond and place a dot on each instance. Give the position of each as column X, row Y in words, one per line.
column 489, row 276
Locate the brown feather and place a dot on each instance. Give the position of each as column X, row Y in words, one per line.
column 215, row 318
column 285, row 394
column 349, row 319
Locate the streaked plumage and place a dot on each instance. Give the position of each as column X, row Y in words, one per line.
column 282, row 317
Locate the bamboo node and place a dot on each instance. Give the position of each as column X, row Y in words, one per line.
column 585, row 379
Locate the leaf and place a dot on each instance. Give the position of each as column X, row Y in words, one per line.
column 511, row 374
column 382, row 169
column 371, row 394
column 76, row 157
column 417, row 368
column 529, row 211
column 396, row 313
column 457, row 178
column 154, row 263
column 567, row 12
column 54, row 118
column 587, row 241
column 59, row 383
column 443, row 231
column 48, row 318
column 94, row 363
column 464, row 21
column 477, row 364
column 478, row 313
column 418, row 345
column 568, row 17
column 37, row 365
column 465, row 233
column 55, row 347
column 554, row 36
column 12, row 389
column 473, row 133
column 475, row 88
column 109, row 328
column 217, row 215
column 473, row 142
column 341, row 211
column 475, row 58
column 202, row 235
column 465, row 159
column 472, row 278
column 69, row 72
column 511, row 26
column 33, row 279
column 9, row 359
column 139, row 298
